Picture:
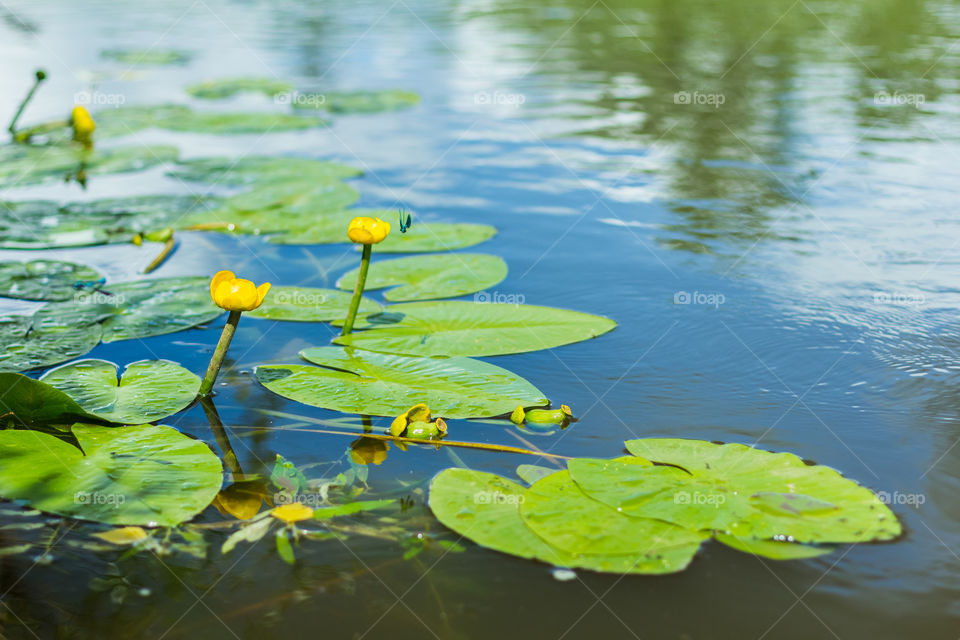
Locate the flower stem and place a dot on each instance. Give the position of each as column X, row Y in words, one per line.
column 218, row 355
column 40, row 77
column 358, row 290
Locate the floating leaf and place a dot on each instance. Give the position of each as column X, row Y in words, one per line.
column 750, row 493
column 356, row 101
column 384, row 385
column 251, row 170
column 42, row 279
column 227, row 87
column 429, row 277
column 25, row 164
column 149, row 57
column 307, row 304
column 148, row 390
column 34, row 403
column 425, row 237
column 125, row 120
column 773, row 549
column 139, row 475
column 328, row 228
column 459, row 328
column 24, row 347
column 530, row 473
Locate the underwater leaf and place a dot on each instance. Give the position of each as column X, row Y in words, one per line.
column 42, row 279
column 147, row 391
column 147, row 57
column 35, row 403
column 227, row 87
column 250, row 170
column 350, row 508
column 138, row 475
column 750, row 493
column 307, row 304
column 385, row 385
column 284, row 548
column 24, row 347
column 773, row 549
column 25, row 164
column 460, row 328
column 426, row 237
column 429, row 277
column 252, row 532
column 122, row 536
column 357, row 101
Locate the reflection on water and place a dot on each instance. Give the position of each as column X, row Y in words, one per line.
column 761, row 193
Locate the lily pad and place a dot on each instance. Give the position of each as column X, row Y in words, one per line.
column 460, row 328
column 138, row 475
column 148, row 390
column 250, row 170
column 24, row 347
column 773, row 549
column 228, row 87
column 426, row 237
column 174, row 117
column 386, row 385
column 430, row 277
column 484, row 508
column 744, row 492
column 307, row 304
column 328, row 228
column 33, row 403
column 357, row 101
column 24, row 164
column 42, row 279
column 147, row 57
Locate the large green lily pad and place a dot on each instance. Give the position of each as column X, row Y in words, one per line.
column 459, row 328
column 148, row 390
column 228, row 87
column 24, row 347
column 426, row 237
column 24, row 164
column 308, row 304
column 387, row 385
column 28, row 402
column 42, row 279
column 355, row 101
column 330, row 227
column 250, row 170
column 174, row 117
column 137, row 475
column 430, row 277
column 147, row 57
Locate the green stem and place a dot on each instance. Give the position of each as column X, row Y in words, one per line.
column 219, row 354
column 168, row 248
column 223, row 440
column 40, row 77
column 358, row 290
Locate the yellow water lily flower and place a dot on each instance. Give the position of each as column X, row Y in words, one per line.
column 83, row 125
column 293, row 512
column 236, row 294
column 416, row 413
column 364, row 230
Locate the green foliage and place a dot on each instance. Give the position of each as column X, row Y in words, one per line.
column 251, row 170
column 24, row 346
column 357, row 101
column 228, row 87
column 31, row 403
column 42, row 279
column 148, row 390
column 460, row 328
column 308, row 304
column 387, row 385
column 147, row 57
column 24, row 164
column 424, row 237
column 137, row 475
column 125, row 120
column 430, row 277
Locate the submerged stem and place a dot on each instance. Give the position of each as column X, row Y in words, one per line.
column 218, row 355
column 358, row 290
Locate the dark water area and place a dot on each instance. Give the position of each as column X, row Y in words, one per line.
column 762, row 194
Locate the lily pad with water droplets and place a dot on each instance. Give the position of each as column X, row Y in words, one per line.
column 24, row 347
column 42, row 279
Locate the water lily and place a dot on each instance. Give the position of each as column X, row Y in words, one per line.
column 368, row 232
column 293, row 512
column 236, row 295
column 83, row 125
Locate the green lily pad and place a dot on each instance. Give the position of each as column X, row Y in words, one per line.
column 430, row 277
column 307, row 304
column 125, row 120
column 139, row 309
column 42, row 279
column 385, row 385
column 460, row 328
column 147, row 57
column 34, row 403
column 773, row 549
column 296, row 196
column 749, row 493
column 139, row 475
column 330, row 227
column 24, row 164
column 148, row 390
column 530, row 473
column 426, row 237
column 483, row 507
column 250, row 170
column 24, row 347
column 355, row 101
column 228, row 87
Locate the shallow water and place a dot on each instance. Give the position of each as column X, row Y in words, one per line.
column 789, row 168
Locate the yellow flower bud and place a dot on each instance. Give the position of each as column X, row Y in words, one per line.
column 518, row 416
column 83, row 125
column 235, row 294
column 294, row 512
column 364, row 230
